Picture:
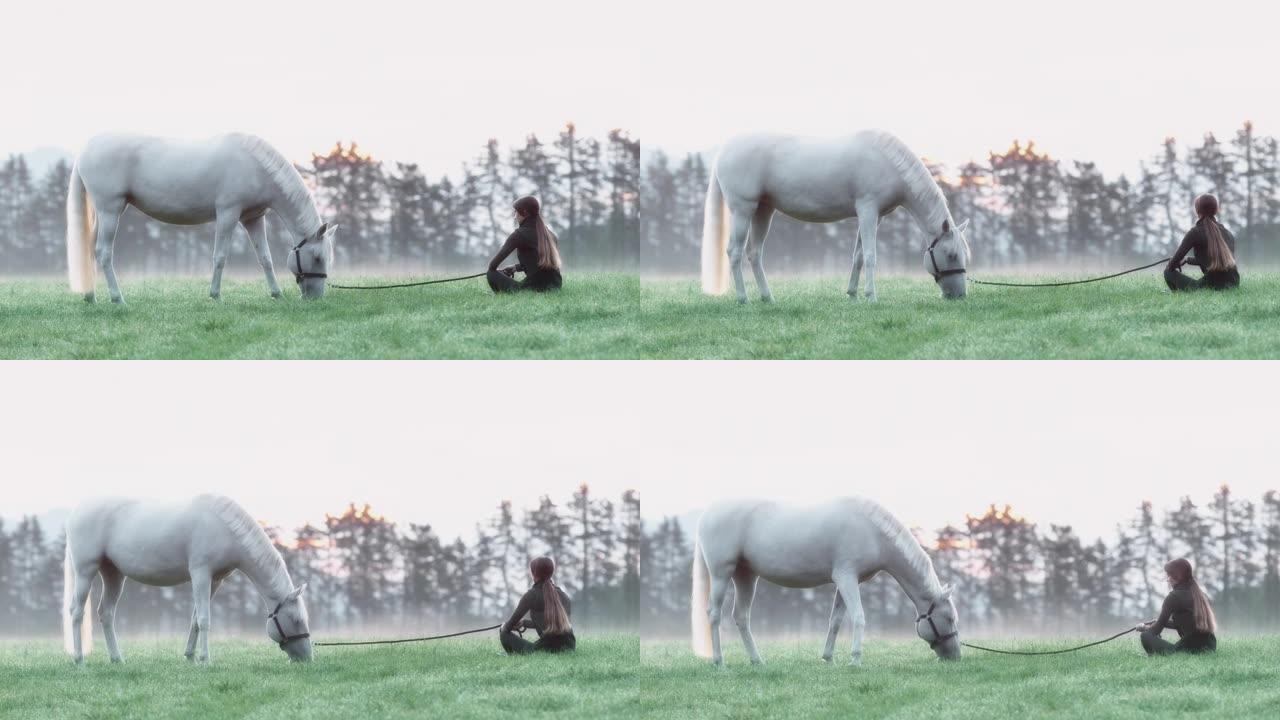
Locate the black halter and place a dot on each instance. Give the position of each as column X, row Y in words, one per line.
column 298, row 275
column 939, row 274
column 285, row 638
column 938, row 638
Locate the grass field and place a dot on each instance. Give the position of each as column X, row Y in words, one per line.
column 592, row 317
column 1125, row 318
column 901, row 679
column 618, row 316
column 465, row 678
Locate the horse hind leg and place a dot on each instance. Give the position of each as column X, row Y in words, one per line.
column 112, row 588
column 755, row 249
column 833, row 631
column 739, row 225
column 744, row 591
column 257, row 229
column 719, row 587
column 80, row 599
column 108, row 220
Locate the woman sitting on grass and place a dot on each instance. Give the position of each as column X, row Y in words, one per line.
column 1187, row 610
column 1214, row 248
column 537, row 254
column 547, row 607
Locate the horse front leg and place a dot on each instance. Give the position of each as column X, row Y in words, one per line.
column 868, row 223
column 847, row 585
column 744, row 591
column 202, row 595
column 833, row 630
column 194, row 635
column 755, row 249
column 224, row 232
column 257, row 229
column 854, row 276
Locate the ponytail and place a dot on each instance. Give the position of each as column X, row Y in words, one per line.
column 1220, row 257
column 548, row 246
column 557, row 620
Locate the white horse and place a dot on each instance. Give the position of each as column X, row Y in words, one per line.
column 867, row 176
column 846, row 542
column 201, row 540
column 228, row 179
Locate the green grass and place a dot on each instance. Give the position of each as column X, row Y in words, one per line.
column 592, row 317
column 466, row 678
column 1130, row 317
column 617, row 316
column 901, row 679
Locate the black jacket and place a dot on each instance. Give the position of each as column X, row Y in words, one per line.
column 532, row 604
column 1197, row 240
column 1178, row 612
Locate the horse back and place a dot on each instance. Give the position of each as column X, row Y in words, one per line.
column 153, row 542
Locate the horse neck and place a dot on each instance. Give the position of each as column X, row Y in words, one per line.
column 295, row 205
column 264, row 567
column 292, row 199
column 910, row 566
column 929, row 209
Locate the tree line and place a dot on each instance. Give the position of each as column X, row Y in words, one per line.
column 1012, row 575
column 367, row 573
column 1025, row 207
column 394, row 217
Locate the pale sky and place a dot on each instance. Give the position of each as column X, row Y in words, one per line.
column 1094, row 80
column 424, row 82
column 1076, row 443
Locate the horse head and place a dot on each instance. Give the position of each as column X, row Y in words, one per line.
column 310, row 259
column 938, row 625
column 947, row 259
column 287, row 626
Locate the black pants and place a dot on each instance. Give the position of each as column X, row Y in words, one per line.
column 1215, row 280
column 539, row 281
column 1156, row 645
column 513, row 643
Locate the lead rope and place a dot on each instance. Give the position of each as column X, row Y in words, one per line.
column 407, row 640
column 1049, row 652
column 406, row 285
column 1075, row 282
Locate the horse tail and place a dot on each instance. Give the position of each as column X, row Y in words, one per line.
column 68, row 593
column 699, row 621
column 80, row 222
column 715, row 239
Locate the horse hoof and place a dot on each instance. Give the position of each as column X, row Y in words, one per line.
column 90, row 297
column 826, row 659
column 766, row 298
column 117, row 300
column 277, row 295
column 117, row 661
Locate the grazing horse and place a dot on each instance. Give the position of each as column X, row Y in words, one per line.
column 229, row 179
column 201, row 540
column 867, row 176
column 846, row 541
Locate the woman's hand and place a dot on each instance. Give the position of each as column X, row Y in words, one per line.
column 509, row 271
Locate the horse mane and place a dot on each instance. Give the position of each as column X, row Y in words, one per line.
column 903, row 541
column 923, row 189
column 287, row 179
column 252, row 538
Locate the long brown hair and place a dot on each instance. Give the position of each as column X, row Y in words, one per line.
column 548, row 243
column 557, row 620
column 1220, row 257
column 1179, row 571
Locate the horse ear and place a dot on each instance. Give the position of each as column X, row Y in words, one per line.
column 324, row 227
column 946, row 226
column 297, row 592
column 963, row 226
column 333, row 229
column 947, row 591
